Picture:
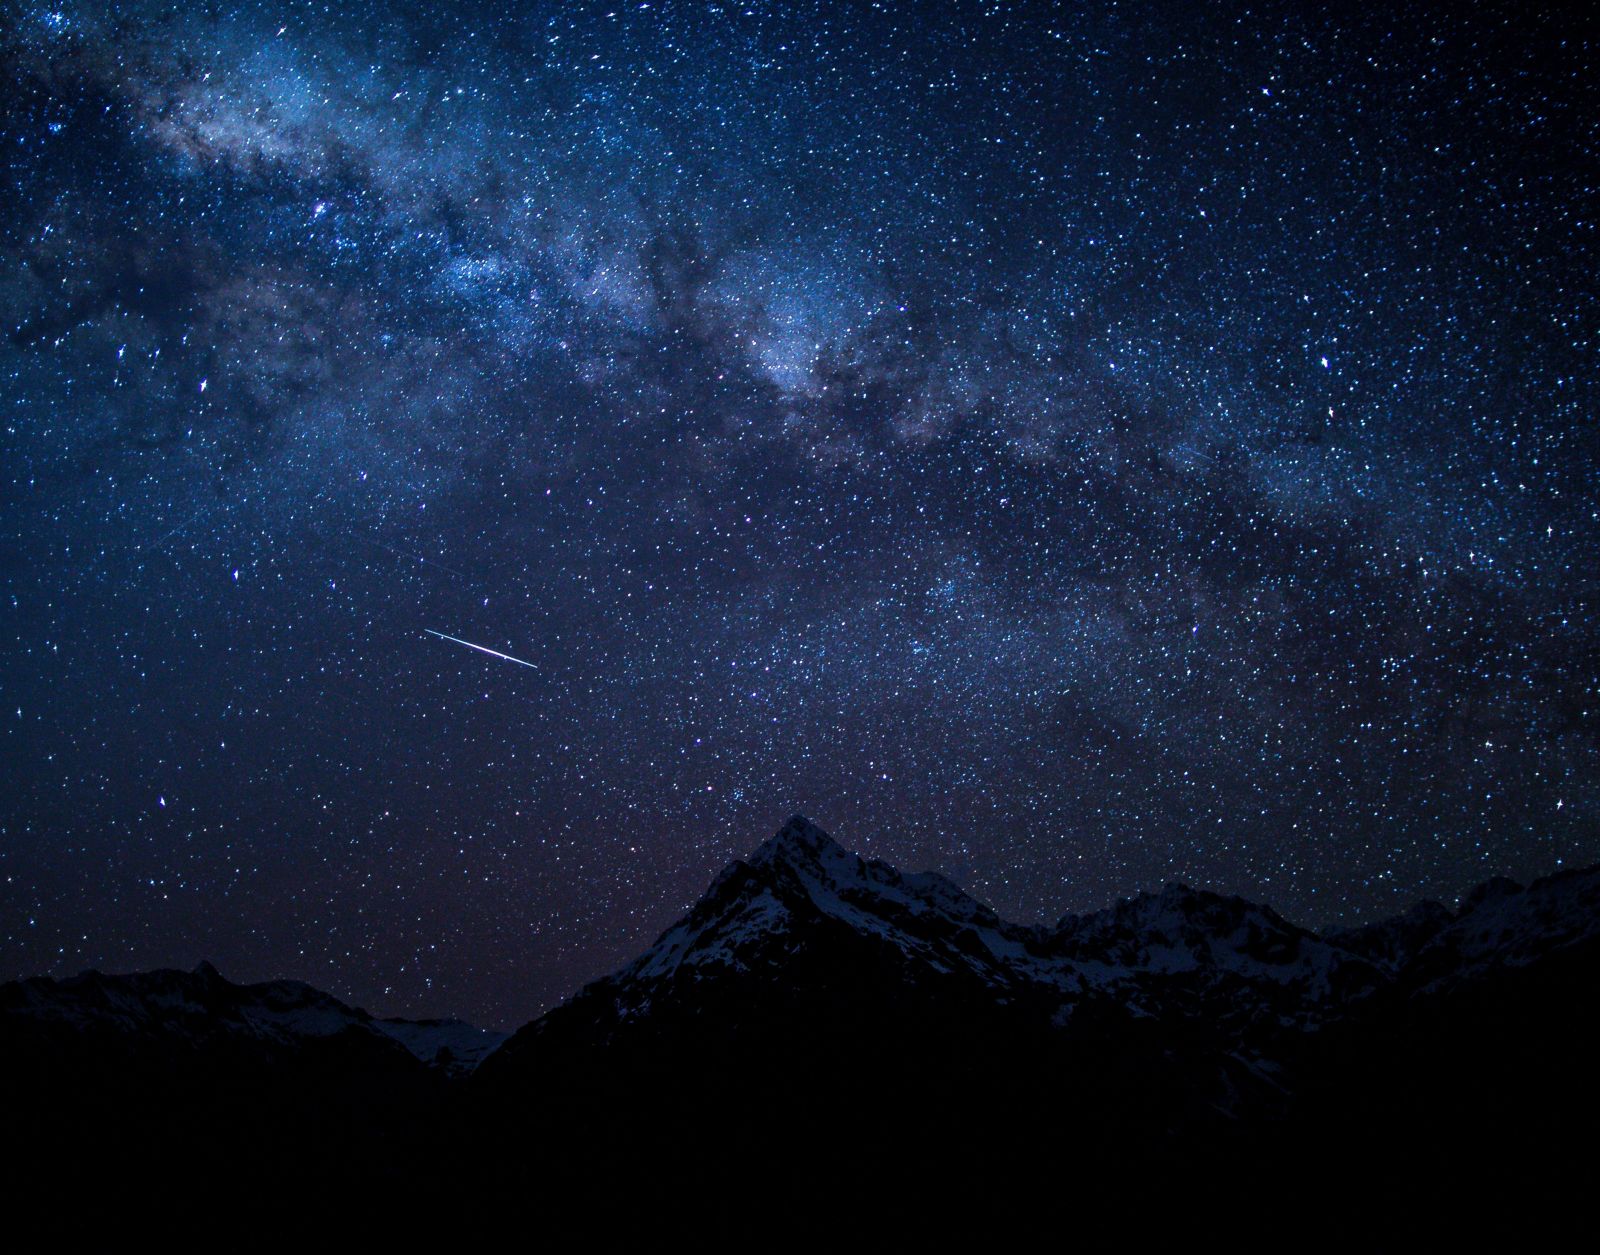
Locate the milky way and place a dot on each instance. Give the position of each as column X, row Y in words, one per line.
column 1071, row 447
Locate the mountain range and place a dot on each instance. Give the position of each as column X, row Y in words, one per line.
column 814, row 1007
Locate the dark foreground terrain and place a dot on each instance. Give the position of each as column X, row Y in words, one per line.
column 824, row 1040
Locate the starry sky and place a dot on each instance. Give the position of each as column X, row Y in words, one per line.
column 1073, row 447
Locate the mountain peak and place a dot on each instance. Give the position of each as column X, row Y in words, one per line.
column 799, row 840
column 803, row 852
column 800, row 829
column 1491, row 891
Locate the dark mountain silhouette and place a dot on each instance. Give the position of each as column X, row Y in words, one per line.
column 186, row 1071
column 817, row 1009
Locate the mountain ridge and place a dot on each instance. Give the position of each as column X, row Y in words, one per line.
column 816, row 1007
column 1153, row 952
column 1175, row 933
column 197, row 1008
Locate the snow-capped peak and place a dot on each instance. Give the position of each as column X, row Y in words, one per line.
column 804, row 852
column 803, row 846
column 800, row 880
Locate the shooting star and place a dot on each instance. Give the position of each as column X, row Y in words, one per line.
column 482, row 649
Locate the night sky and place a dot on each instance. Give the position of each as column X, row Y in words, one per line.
column 1071, row 447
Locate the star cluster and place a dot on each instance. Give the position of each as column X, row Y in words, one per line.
column 1074, row 447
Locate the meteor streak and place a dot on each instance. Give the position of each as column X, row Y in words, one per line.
column 482, row 649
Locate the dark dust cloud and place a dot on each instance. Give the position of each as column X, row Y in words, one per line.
column 1074, row 447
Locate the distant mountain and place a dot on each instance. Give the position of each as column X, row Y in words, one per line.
column 107, row 1079
column 815, row 1008
column 200, row 1013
